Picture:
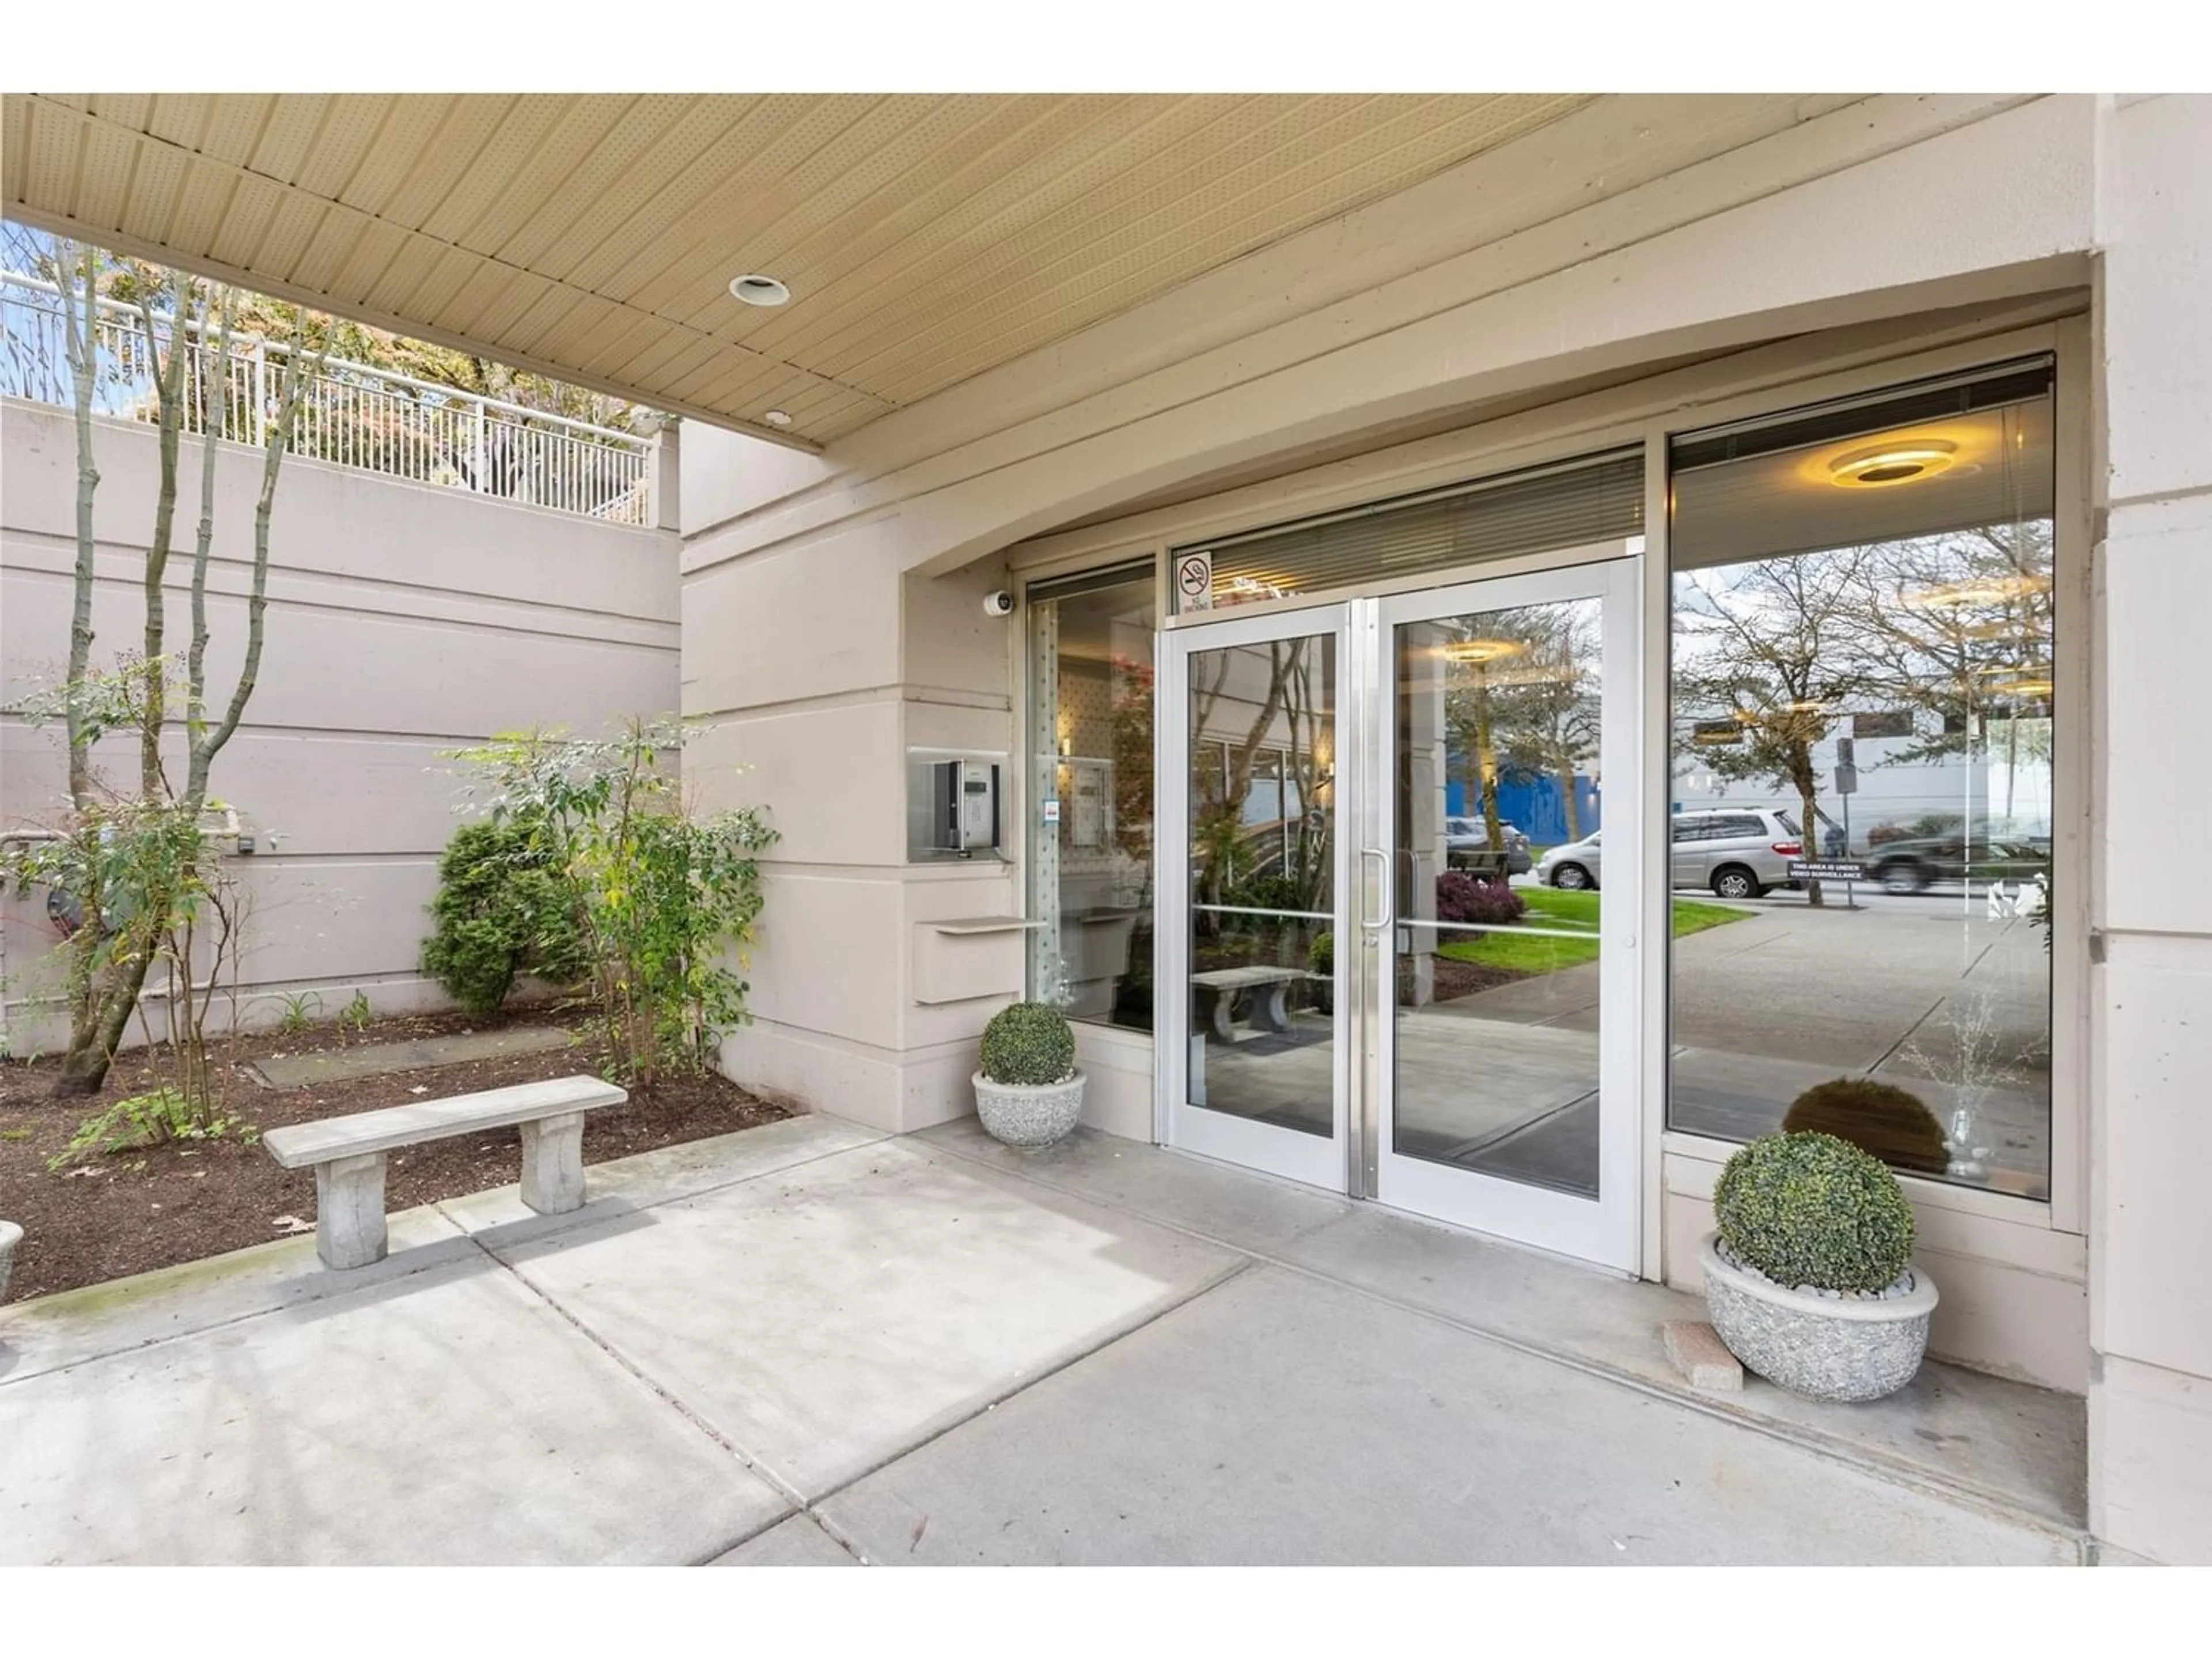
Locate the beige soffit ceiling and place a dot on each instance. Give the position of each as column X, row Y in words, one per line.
column 924, row 239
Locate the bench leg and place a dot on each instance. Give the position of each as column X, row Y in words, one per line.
column 1273, row 1011
column 553, row 1164
column 349, row 1211
column 1225, row 1004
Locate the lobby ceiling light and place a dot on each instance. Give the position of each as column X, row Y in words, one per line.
column 1904, row 461
column 755, row 290
column 1481, row 650
column 777, row 417
column 1976, row 590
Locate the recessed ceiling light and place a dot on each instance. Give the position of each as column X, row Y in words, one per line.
column 755, row 290
column 1893, row 463
column 777, row 417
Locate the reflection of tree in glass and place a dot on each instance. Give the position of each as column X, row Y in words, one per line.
column 1132, row 765
column 1292, row 716
column 1776, row 646
column 1521, row 703
column 1959, row 625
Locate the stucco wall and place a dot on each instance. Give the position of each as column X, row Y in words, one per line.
column 403, row 620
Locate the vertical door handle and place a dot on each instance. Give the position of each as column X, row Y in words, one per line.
column 1374, row 924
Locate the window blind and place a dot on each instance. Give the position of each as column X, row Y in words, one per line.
column 1595, row 499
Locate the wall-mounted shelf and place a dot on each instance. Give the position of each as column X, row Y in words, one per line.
column 958, row 958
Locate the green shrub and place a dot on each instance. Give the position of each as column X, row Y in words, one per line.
column 1811, row 1210
column 143, row 1121
column 500, row 910
column 1320, row 957
column 661, row 903
column 1028, row 1045
column 1892, row 1124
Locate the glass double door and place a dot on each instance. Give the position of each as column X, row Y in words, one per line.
column 1368, row 983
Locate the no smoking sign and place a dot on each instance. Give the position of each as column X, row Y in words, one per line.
column 1195, row 581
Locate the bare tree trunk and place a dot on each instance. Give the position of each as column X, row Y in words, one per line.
column 168, row 391
column 195, row 654
column 1808, row 840
column 80, row 330
column 1573, row 807
column 104, row 1005
column 298, row 366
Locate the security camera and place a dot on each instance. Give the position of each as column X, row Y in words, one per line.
column 999, row 604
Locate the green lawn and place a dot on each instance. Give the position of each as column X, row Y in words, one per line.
column 1553, row 908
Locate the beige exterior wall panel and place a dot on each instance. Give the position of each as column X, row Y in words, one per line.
column 786, row 628
column 2157, row 216
column 2155, row 567
column 828, row 957
column 821, row 770
column 2156, row 1237
column 2151, row 1462
column 843, row 1081
column 403, row 619
column 952, row 645
column 340, row 521
column 329, row 669
column 1118, row 1096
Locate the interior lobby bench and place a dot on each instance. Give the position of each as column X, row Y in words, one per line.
column 1270, row 999
column 348, row 1154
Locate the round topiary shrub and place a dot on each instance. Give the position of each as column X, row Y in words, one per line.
column 1892, row 1124
column 1028, row 1046
column 1809, row 1210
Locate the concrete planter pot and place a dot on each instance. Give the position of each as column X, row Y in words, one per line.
column 1835, row 1348
column 11, row 1235
column 1028, row 1116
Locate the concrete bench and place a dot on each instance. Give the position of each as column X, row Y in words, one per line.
column 348, row 1154
column 1270, row 1008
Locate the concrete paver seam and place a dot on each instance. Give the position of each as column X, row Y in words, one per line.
column 1855, row 1458
column 1030, row 1381
column 585, row 1218
column 753, row 1465
column 403, row 1271
column 790, row 1489
column 167, row 1337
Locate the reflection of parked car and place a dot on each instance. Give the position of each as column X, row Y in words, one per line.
column 1572, row 865
column 1739, row 853
column 1466, row 837
column 1912, row 866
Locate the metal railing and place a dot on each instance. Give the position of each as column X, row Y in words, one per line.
column 350, row 413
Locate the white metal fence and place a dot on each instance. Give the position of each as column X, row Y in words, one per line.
column 350, row 414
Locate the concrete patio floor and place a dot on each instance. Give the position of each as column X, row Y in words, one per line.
column 811, row 1344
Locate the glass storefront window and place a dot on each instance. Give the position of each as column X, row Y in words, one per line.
column 1863, row 634
column 1091, row 757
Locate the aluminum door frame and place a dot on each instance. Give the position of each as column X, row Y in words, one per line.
column 1266, row 1147
column 1604, row 1231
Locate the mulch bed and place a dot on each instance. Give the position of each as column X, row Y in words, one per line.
column 1455, row 979
column 130, row 1212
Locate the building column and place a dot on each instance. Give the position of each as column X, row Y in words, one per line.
column 815, row 669
column 2150, row 1155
